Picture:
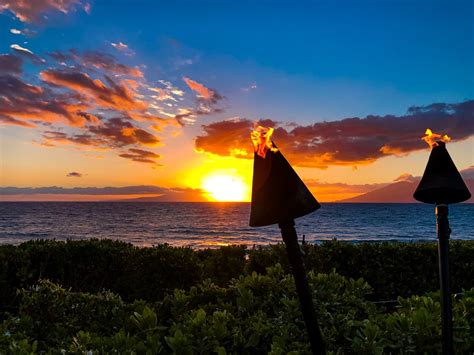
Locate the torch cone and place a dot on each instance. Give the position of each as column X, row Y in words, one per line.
column 441, row 185
column 279, row 196
column 441, row 181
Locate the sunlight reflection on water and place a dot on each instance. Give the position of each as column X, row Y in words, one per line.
column 202, row 225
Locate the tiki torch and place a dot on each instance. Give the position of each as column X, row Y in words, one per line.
column 441, row 185
column 278, row 197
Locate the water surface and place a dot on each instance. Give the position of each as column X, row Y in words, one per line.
column 213, row 224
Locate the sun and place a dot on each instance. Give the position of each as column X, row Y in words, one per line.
column 221, row 187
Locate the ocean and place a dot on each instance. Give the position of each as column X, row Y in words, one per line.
column 201, row 225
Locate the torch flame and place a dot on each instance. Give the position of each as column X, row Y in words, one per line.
column 433, row 138
column 262, row 140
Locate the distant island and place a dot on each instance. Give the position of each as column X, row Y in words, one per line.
column 398, row 192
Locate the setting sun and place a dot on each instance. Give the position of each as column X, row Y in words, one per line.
column 225, row 188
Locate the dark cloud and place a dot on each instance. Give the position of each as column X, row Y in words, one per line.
column 10, row 64
column 101, row 100
column 140, row 155
column 115, row 95
column 23, row 101
column 127, row 190
column 6, row 120
column 107, row 62
column 74, row 174
column 155, row 193
column 34, row 10
column 95, row 61
column 351, row 141
column 109, row 133
column 54, row 138
column 120, row 133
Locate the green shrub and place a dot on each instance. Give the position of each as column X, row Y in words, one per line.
column 392, row 269
column 256, row 313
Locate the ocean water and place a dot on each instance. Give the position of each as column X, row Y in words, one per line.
column 202, row 225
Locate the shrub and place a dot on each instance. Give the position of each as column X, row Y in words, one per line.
column 255, row 313
column 392, row 269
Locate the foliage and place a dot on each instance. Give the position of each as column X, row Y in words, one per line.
column 392, row 269
column 115, row 297
column 256, row 313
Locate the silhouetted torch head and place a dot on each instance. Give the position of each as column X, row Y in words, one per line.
column 278, row 194
column 441, row 182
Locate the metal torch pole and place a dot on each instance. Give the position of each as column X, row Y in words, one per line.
column 443, row 232
column 295, row 258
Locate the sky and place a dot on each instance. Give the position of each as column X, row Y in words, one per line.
column 102, row 100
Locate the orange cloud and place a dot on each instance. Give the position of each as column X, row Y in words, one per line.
column 32, row 10
column 351, row 141
column 140, row 155
column 22, row 101
column 200, row 89
column 118, row 96
column 6, row 120
column 109, row 133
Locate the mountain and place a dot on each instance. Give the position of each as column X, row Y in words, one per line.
column 397, row 192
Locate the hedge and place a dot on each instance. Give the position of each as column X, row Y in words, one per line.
column 254, row 314
column 392, row 269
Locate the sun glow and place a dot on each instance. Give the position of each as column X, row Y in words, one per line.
column 221, row 187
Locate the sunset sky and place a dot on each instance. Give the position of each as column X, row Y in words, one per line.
column 158, row 98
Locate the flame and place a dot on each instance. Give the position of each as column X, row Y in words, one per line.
column 433, row 138
column 262, row 140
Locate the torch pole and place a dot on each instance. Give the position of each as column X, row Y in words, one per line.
column 295, row 258
column 443, row 232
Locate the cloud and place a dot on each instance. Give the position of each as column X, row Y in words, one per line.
column 140, row 155
column 27, row 53
column 95, row 61
column 23, row 101
column 116, row 95
column 350, row 141
column 25, row 32
column 107, row 133
column 107, row 62
column 10, row 64
column 120, row 132
column 6, row 120
column 407, row 177
column 202, row 91
column 126, row 190
column 252, row 86
column 122, row 47
column 21, row 49
column 54, row 138
column 34, row 10
column 74, row 174
column 208, row 101
column 101, row 101
column 146, row 192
